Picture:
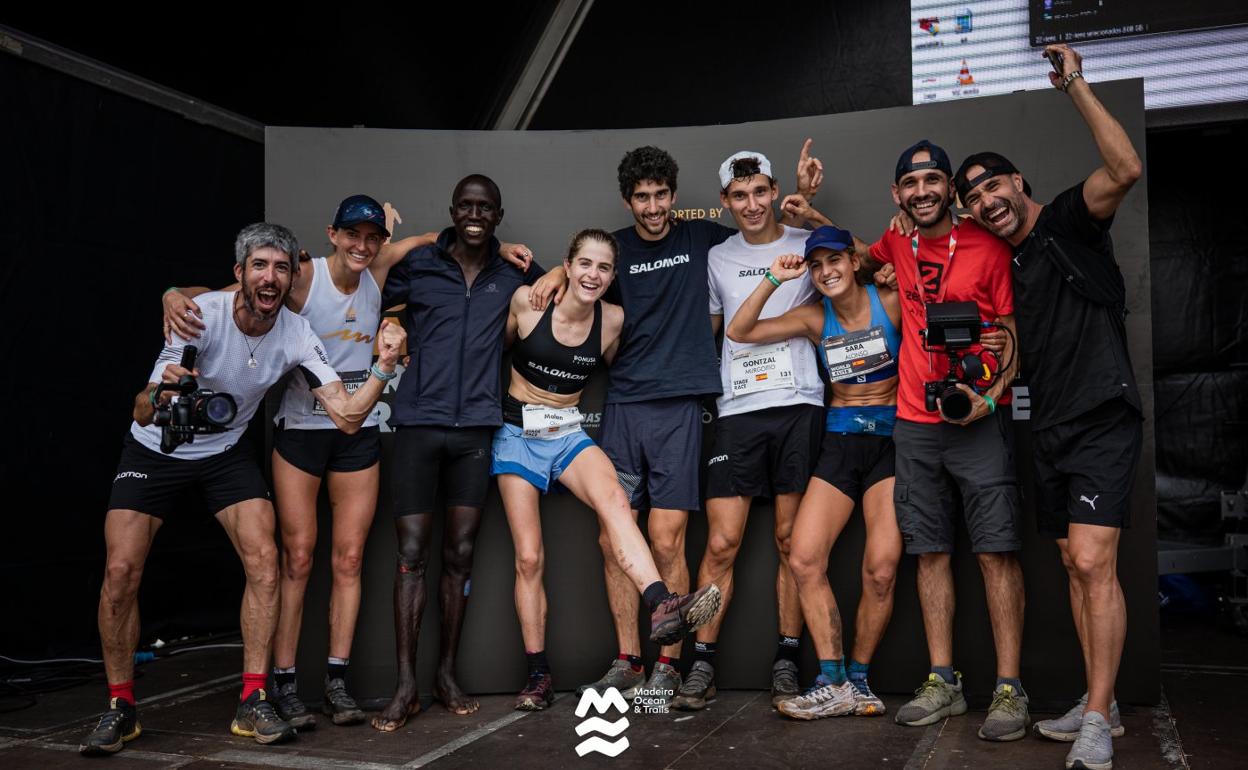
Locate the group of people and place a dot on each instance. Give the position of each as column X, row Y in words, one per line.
column 796, row 307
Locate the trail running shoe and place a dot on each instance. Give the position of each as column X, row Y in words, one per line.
column 935, row 699
column 116, row 727
column 784, row 681
column 339, row 705
column 1066, row 727
column 663, row 685
column 291, row 709
column 678, row 615
column 866, row 703
column 621, row 676
column 1094, row 748
column 537, row 694
column 821, row 700
column 698, row 689
column 1007, row 719
column 256, row 718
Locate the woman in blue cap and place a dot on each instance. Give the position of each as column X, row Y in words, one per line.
column 857, row 333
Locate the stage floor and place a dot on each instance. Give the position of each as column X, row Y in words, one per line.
column 187, row 703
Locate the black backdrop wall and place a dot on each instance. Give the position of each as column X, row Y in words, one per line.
column 553, row 183
column 105, row 202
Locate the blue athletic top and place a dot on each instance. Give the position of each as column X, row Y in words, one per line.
column 871, row 420
column 879, row 317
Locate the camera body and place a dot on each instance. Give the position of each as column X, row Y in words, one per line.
column 952, row 328
column 192, row 410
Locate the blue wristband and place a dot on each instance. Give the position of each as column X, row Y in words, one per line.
column 379, row 374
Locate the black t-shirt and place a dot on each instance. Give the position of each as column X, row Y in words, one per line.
column 666, row 347
column 1074, row 350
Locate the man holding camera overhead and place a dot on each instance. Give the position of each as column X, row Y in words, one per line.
column 249, row 342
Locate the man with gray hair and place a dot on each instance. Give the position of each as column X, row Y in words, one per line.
column 184, row 437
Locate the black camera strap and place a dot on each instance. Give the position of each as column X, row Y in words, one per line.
column 944, row 282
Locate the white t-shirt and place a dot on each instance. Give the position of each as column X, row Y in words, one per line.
column 222, row 363
column 347, row 326
column 762, row 376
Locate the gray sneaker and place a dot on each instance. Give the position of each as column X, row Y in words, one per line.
column 1007, row 719
column 663, row 685
column 291, row 709
column 1093, row 749
column 339, row 705
column 698, row 688
column 822, row 700
column 784, row 681
column 934, row 700
column 621, row 676
column 1066, row 727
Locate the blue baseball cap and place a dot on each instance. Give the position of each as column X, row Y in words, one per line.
column 360, row 208
column 828, row 237
column 939, row 160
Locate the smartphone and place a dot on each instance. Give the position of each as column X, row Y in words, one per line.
column 1055, row 59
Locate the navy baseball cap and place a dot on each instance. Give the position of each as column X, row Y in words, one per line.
column 828, row 237
column 360, row 208
column 993, row 163
column 939, row 160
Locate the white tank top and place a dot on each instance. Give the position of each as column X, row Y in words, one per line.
column 347, row 325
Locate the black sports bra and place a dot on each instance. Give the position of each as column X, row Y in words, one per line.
column 552, row 366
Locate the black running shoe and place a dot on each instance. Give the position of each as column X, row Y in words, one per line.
column 339, row 705
column 291, row 709
column 118, row 725
column 678, row 615
column 257, row 719
column 537, row 694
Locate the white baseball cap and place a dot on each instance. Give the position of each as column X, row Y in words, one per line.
column 725, row 169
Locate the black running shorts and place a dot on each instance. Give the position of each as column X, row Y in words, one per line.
column 427, row 458
column 764, row 453
column 1085, row 468
column 855, row 462
column 938, row 462
column 153, row 483
column 318, row 450
column 655, row 447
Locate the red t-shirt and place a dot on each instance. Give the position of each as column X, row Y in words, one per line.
column 980, row 273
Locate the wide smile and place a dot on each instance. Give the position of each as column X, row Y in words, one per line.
column 474, row 231
column 924, row 207
column 358, row 256
column 998, row 216
column 267, row 297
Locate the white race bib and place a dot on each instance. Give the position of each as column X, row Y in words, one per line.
column 547, row 422
column 351, row 382
column 761, row 367
column 856, row 353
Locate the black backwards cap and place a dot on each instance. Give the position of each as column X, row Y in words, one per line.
column 939, row 160
column 994, row 164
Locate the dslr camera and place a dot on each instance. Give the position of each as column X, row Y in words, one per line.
column 192, row 410
column 952, row 328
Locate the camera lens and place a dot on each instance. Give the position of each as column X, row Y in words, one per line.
column 955, row 404
column 218, row 409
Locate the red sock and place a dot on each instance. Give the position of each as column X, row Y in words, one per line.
column 666, row 659
column 123, row 690
column 251, row 683
column 633, row 660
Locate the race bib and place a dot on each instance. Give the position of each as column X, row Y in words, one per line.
column 856, row 353
column 547, row 422
column 761, row 367
column 351, row 381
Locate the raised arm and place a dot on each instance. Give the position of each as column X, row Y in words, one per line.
column 746, row 326
column 1108, row 185
column 350, row 411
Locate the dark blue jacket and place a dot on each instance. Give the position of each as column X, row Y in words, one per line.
column 454, row 335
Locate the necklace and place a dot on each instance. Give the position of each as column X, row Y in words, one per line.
column 251, row 352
